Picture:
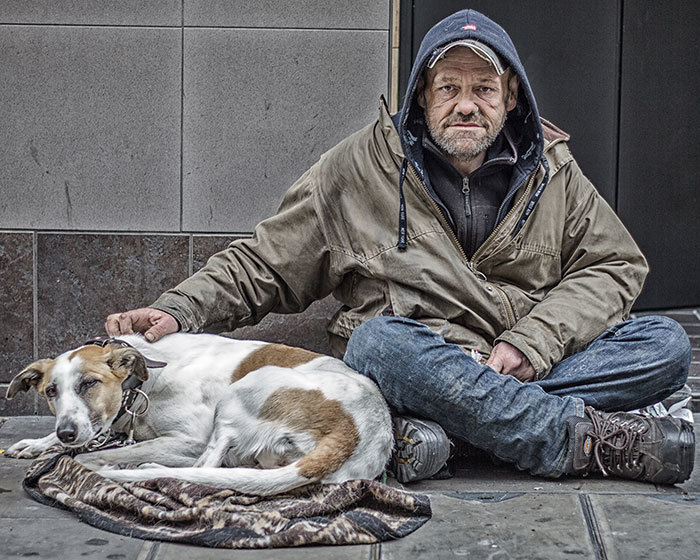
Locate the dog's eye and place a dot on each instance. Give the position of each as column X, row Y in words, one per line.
column 51, row 391
column 85, row 385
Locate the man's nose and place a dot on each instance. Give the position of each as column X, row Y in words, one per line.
column 466, row 103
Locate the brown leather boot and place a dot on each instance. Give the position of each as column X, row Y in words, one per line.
column 658, row 450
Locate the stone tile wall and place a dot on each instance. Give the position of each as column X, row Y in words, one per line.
column 138, row 137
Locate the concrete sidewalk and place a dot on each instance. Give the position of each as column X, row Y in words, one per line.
column 486, row 511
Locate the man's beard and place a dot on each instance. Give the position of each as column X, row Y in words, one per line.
column 452, row 145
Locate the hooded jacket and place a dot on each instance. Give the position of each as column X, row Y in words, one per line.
column 364, row 224
column 523, row 121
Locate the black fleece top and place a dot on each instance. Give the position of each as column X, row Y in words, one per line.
column 472, row 201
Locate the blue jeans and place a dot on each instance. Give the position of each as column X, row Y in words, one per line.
column 630, row 365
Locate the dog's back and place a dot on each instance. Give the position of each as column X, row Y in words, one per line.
column 311, row 424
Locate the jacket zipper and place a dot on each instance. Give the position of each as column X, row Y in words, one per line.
column 443, row 219
column 510, row 314
column 467, row 200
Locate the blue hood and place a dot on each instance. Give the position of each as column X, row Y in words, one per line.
column 523, row 121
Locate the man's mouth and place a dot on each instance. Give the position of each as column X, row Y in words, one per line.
column 465, row 125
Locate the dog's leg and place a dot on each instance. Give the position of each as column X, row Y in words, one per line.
column 30, row 448
column 221, row 440
column 168, row 451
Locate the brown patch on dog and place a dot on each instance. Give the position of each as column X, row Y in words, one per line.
column 273, row 355
column 325, row 419
column 103, row 399
column 90, row 353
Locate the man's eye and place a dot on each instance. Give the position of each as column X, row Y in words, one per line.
column 446, row 89
column 51, row 391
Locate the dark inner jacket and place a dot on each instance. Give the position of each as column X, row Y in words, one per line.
column 472, row 202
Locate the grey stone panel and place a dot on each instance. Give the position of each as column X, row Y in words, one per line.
column 90, row 128
column 646, row 527
column 23, row 403
column 306, row 330
column 16, row 303
column 324, row 14
column 526, row 526
column 93, row 12
column 250, row 130
column 83, row 277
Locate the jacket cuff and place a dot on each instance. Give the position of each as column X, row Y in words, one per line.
column 173, row 306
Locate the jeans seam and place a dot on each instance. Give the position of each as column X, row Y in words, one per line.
column 561, row 463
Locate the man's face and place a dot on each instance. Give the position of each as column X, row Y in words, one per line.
column 465, row 103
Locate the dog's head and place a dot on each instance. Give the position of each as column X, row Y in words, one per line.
column 83, row 388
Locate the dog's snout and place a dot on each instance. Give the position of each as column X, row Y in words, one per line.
column 67, row 433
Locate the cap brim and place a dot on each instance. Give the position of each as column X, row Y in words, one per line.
column 480, row 49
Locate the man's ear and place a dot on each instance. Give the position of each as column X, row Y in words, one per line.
column 512, row 99
column 29, row 377
column 127, row 361
column 420, row 92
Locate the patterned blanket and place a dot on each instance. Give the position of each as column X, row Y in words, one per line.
column 165, row 509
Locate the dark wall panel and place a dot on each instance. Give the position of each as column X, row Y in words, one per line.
column 570, row 51
column 660, row 146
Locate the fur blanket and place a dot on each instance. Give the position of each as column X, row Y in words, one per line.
column 355, row 512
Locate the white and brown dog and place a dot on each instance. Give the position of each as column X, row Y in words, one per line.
column 284, row 416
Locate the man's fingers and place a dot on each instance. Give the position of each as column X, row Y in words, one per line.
column 118, row 323
column 162, row 324
column 125, row 323
column 153, row 323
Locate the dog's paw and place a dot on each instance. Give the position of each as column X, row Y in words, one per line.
column 27, row 449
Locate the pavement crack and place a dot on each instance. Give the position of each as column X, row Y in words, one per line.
column 593, row 527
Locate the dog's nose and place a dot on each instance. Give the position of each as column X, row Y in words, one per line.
column 67, row 433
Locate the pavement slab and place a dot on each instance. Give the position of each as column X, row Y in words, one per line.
column 490, row 511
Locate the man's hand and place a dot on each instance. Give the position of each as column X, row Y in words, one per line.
column 508, row 360
column 153, row 323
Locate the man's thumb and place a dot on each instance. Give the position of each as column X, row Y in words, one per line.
column 154, row 333
column 495, row 363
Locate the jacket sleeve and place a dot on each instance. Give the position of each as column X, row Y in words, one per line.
column 603, row 272
column 283, row 268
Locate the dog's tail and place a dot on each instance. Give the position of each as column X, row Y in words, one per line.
column 262, row 482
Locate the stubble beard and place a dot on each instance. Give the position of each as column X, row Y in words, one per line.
column 454, row 145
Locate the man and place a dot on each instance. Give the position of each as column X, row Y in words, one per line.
column 503, row 249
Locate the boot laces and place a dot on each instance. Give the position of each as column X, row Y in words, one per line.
column 615, row 440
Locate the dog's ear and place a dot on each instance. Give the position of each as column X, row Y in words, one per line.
column 29, row 377
column 128, row 361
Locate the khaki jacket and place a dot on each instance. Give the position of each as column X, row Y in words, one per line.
column 571, row 271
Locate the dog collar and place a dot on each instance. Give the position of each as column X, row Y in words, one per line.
column 105, row 340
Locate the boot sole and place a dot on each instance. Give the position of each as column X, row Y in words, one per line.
column 677, row 451
column 422, row 449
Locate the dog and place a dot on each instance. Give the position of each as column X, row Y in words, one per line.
column 280, row 417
